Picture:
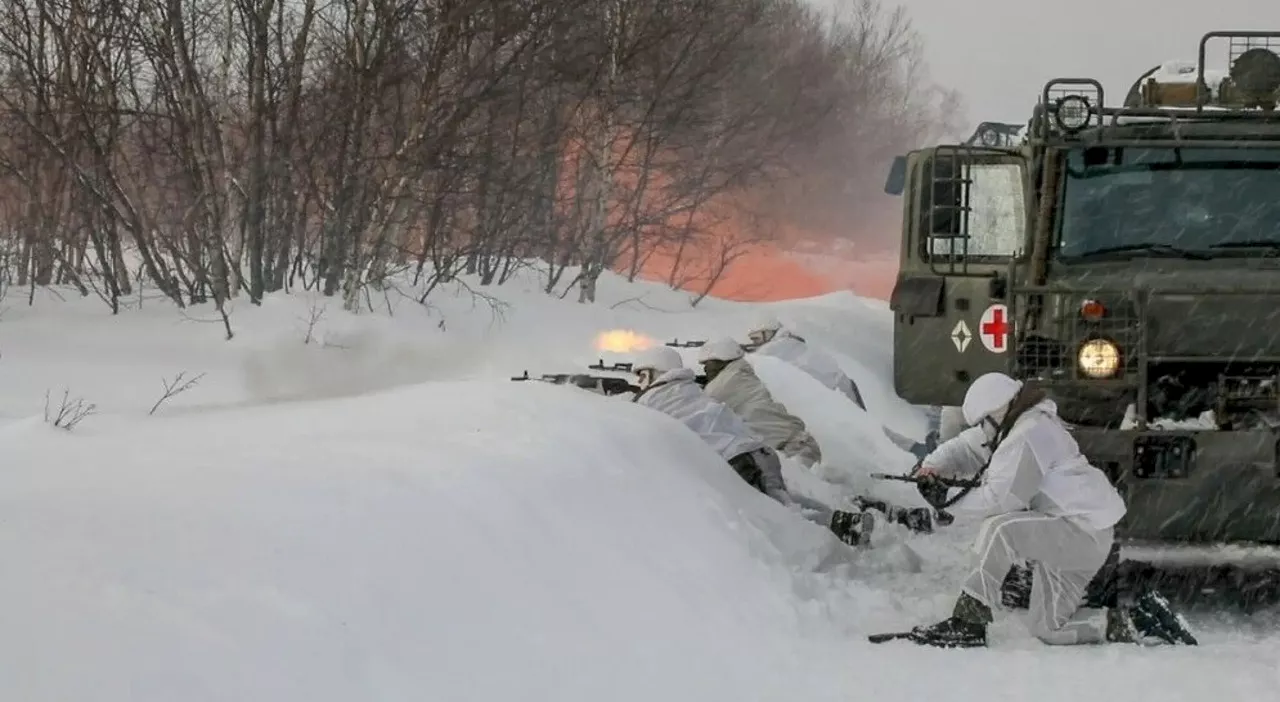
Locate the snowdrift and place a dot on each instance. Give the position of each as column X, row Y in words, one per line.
column 353, row 508
column 388, row 546
column 305, row 347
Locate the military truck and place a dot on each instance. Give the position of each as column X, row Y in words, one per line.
column 1127, row 259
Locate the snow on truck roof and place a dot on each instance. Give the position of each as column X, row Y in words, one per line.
column 1183, row 71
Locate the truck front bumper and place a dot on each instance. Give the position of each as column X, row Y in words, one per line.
column 1200, row 487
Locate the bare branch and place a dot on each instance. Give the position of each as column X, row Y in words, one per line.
column 175, row 387
column 70, row 411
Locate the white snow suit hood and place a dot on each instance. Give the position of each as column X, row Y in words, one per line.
column 659, row 359
column 987, row 402
column 794, row 350
column 1037, row 466
column 676, row 394
column 989, row 396
column 738, row 387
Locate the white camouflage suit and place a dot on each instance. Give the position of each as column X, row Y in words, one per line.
column 668, row 387
column 674, row 393
column 783, row 344
column 1041, row 502
column 738, row 387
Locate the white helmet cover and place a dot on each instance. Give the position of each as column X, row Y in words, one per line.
column 722, row 349
column 766, row 322
column 989, row 396
column 659, row 359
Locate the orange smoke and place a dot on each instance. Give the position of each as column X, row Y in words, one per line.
column 790, row 264
column 766, row 273
column 761, row 273
column 622, row 341
column 778, row 252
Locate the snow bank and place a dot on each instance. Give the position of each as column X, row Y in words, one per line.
column 466, row 332
column 470, row 541
column 853, row 442
column 378, row 514
column 858, row 333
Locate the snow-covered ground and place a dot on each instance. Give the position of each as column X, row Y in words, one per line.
column 379, row 514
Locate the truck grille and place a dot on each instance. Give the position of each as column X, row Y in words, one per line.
column 1181, row 353
column 1157, row 327
column 1050, row 333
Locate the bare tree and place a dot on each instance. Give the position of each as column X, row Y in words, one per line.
column 213, row 148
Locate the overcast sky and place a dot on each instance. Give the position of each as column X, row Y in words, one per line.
column 999, row 53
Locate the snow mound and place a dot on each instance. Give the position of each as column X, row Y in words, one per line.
column 409, row 525
column 858, row 333
column 303, row 346
column 467, row 541
column 383, row 546
column 853, row 442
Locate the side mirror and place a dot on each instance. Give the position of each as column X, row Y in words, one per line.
column 896, row 183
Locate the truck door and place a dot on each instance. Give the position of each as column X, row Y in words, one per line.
column 965, row 216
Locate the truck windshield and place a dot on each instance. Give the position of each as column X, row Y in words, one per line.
column 1161, row 201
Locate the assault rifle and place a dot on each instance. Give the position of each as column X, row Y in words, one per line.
column 615, row 367
column 699, row 343
column 937, row 479
column 629, row 368
column 605, row 385
column 933, row 489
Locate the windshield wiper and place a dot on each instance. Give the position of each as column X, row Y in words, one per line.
column 1271, row 247
column 1168, row 250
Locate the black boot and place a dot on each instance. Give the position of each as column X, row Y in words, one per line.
column 1153, row 618
column 918, row 519
column 1120, row 628
column 853, row 528
column 866, row 503
column 966, row 628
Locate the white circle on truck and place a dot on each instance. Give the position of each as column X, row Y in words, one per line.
column 994, row 328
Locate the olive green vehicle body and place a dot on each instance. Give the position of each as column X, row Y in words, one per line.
column 1205, row 317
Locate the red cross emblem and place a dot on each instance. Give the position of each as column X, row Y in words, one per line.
column 994, row 329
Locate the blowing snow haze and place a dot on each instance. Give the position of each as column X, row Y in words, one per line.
column 999, row 53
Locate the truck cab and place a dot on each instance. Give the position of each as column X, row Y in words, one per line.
column 1127, row 259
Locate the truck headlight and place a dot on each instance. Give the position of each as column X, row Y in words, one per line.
column 1099, row 358
column 1072, row 112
